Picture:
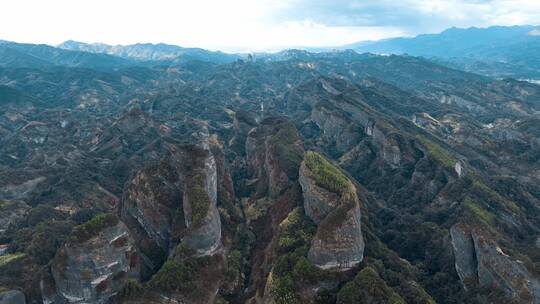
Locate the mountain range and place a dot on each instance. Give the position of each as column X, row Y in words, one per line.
column 495, row 51
column 501, row 52
column 158, row 174
column 150, row 52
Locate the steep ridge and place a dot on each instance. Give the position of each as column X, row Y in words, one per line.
column 22, row 55
column 150, row 52
column 499, row 51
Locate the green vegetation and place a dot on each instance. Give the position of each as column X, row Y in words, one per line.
column 199, row 200
column 132, row 289
column 292, row 267
column 234, row 263
column 91, row 228
column 295, row 231
column 327, row 175
column 483, row 190
column 258, row 209
column 174, row 276
column 412, row 292
column 4, row 204
column 185, row 272
column 47, row 238
column 8, row 258
column 437, row 152
column 182, row 251
column 368, row 287
column 288, row 153
column 84, row 215
column 478, row 212
column 283, row 290
column 43, row 213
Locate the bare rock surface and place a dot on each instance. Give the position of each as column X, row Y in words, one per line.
column 479, row 259
column 95, row 263
column 330, row 200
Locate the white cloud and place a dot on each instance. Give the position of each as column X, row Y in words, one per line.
column 248, row 24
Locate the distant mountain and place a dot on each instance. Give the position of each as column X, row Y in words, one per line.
column 22, row 55
column 496, row 51
column 151, row 52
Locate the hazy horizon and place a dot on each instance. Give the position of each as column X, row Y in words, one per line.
column 247, row 26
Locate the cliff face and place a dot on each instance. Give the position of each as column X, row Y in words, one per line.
column 94, row 264
column 464, row 253
column 174, row 201
column 480, row 260
column 200, row 205
column 338, row 131
column 171, row 208
column 330, row 200
column 273, row 152
column 148, row 209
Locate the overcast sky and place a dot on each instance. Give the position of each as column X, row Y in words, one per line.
column 249, row 25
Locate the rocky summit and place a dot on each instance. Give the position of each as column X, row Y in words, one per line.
column 158, row 174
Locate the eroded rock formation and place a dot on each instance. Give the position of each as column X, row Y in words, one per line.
column 330, row 200
column 94, row 264
column 480, row 260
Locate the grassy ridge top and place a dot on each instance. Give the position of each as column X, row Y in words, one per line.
column 91, row 228
column 327, row 175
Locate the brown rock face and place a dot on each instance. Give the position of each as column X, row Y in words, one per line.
column 478, row 258
column 200, row 205
column 274, row 151
column 330, row 200
column 172, row 202
column 337, row 129
column 148, row 209
column 93, row 270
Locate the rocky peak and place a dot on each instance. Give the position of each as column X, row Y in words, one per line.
column 274, row 151
column 174, row 201
column 94, row 264
column 200, row 203
column 330, row 200
column 148, row 208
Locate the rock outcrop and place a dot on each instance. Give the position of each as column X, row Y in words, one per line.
column 148, row 208
column 94, row 264
column 338, row 130
column 200, row 204
column 174, row 201
column 480, row 260
column 330, row 200
column 464, row 252
column 274, row 150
